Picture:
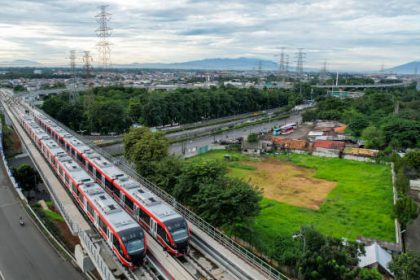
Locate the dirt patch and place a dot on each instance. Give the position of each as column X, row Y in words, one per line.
column 290, row 184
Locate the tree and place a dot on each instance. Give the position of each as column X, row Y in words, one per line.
column 327, row 257
column 369, row 274
column 226, row 202
column 166, row 173
column 402, row 183
column 26, row 177
column 412, row 158
column 145, row 148
column 358, row 123
column 373, row 137
column 252, row 138
column 405, row 210
column 406, row 266
column 195, row 174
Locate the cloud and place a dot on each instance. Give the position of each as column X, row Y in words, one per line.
column 352, row 34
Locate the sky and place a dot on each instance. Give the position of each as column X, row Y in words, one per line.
column 348, row 35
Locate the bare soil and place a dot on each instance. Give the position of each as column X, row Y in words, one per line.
column 290, row 184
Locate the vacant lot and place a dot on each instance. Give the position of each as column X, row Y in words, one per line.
column 288, row 183
column 339, row 197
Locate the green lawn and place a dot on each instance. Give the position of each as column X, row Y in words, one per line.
column 360, row 204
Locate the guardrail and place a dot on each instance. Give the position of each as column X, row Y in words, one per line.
column 95, row 256
column 213, row 232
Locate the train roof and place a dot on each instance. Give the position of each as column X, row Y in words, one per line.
column 160, row 209
column 108, row 208
column 76, row 172
column 154, row 204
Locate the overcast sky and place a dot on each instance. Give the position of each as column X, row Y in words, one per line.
column 348, row 34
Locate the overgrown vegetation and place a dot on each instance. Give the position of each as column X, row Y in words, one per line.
column 384, row 119
column 359, row 205
column 114, row 109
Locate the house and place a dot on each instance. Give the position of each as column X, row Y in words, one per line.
column 376, row 257
column 293, row 145
column 340, row 129
column 328, row 148
column 252, row 148
column 360, row 154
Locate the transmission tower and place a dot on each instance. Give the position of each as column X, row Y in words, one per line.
column 282, row 67
column 323, row 73
column 103, row 33
column 87, row 67
column 300, row 57
column 73, row 95
column 416, row 77
column 89, row 97
column 286, row 65
column 259, row 67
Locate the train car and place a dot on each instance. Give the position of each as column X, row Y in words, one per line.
column 122, row 233
column 168, row 227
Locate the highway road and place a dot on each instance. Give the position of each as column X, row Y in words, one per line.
column 24, row 252
column 190, row 145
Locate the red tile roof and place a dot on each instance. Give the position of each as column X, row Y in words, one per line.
column 293, row 144
column 327, row 144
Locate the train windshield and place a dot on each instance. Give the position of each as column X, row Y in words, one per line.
column 133, row 240
column 178, row 229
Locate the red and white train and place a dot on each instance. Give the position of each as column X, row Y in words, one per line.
column 168, row 227
column 122, row 233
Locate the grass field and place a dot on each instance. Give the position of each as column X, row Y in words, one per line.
column 341, row 198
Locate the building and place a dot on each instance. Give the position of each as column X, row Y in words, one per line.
column 252, row 148
column 376, row 257
column 359, row 154
column 292, row 145
column 328, row 148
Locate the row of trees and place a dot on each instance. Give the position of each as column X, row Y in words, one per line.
column 114, row 109
column 382, row 119
column 408, row 167
column 203, row 186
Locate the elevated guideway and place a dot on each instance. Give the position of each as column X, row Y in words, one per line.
column 165, row 266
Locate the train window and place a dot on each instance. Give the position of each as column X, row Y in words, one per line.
column 102, row 225
column 129, row 203
column 81, row 196
column 144, row 216
column 79, row 158
column 109, row 185
column 90, row 168
column 66, row 179
column 74, row 187
column 116, row 192
column 162, row 233
column 98, row 176
column 90, row 209
column 61, row 141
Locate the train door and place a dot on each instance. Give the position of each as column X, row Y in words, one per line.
column 153, row 227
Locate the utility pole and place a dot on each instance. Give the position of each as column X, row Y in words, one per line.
column 104, row 32
column 282, row 66
column 73, row 95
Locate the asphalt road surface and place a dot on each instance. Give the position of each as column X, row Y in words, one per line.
column 190, row 145
column 24, row 252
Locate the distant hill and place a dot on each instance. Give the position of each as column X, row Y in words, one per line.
column 241, row 63
column 407, row 68
column 20, row 63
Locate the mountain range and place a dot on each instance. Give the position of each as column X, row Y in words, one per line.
column 407, row 68
column 241, row 63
